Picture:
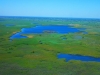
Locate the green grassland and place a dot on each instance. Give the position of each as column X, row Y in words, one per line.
column 28, row 56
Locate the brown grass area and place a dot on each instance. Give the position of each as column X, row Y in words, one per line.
column 14, row 32
column 93, row 33
column 30, row 36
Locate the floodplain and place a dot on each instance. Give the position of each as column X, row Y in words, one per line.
column 37, row 53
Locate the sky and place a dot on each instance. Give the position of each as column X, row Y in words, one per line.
column 51, row 8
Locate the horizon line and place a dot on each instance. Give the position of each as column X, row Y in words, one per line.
column 51, row 17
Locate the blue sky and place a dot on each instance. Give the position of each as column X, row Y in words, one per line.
column 51, row 8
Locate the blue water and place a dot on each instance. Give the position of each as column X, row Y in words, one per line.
column 17, row 36
column 40, row 29
column 58, row 29
column 69, row 57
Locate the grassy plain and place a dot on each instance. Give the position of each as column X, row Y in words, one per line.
column 37, row 55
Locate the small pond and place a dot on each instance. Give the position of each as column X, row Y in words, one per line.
column 78, row 37
column 61, row 29
column 69, row 57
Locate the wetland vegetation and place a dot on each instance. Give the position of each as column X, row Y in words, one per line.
column 37, row 54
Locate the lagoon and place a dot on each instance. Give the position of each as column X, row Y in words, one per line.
column 50, row 29
column 69, row 57
column 61, row 29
